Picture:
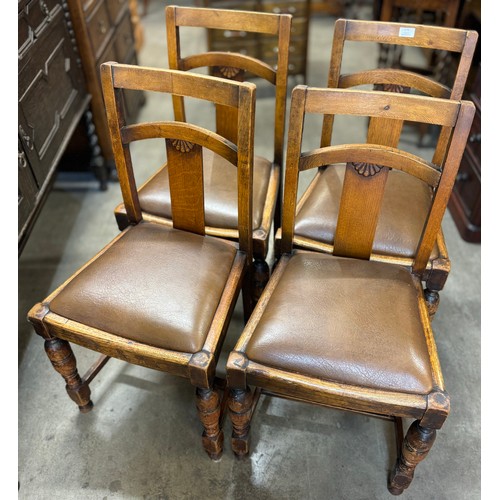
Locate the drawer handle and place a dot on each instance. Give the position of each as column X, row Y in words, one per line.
column 21, row 159
column 233, row 34
column 277, row 10
column 25, row 137
column 462, row 177
column 475, row 137
column 102, row 27
column 292, row 10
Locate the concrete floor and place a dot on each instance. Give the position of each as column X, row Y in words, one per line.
column 142, row 440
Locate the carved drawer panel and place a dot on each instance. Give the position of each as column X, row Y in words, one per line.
column 99, row 27
column 474, row 142
column 109, row 55
column 34, row 16
column 468, row 183
column 116, row 9
column 27, row 188
column 124, row 40
column 299, row 27
column 51, row 92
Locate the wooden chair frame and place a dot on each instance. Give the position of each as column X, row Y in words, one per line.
column 396, row 80
column 232, row 66
column 356, row 232
column 198, row 367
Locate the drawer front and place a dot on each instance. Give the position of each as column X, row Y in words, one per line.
column 229, row 37
column 124, row 40
column 295, row 50
column 251, row 5
column 116, row 9
column 27, row 189
column 299, row 27
column 247, row 48
column 134, row 99
column 99, row 27
column 34, row 16
column 294, row 7
column 109, row 55
column 51, row 91
column 468, row 186
column 474, row 140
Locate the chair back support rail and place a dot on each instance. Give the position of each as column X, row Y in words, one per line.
column 183, row 142
column 368, row 164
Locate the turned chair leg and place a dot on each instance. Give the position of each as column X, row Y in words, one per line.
column 208, row 405
column 431, row 301
column 63, row 360
column 417, row 443
column 261, row 275
column 240, row 413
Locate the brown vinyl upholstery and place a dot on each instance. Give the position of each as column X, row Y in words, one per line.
column 221, row 197
column 352, row 333
column 402, row 215
column 167, row 301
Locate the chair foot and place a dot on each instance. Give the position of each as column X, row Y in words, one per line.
column 240, row 412
column 63, row 360
column 416, row 445
column 209, row 408
column 431, row 301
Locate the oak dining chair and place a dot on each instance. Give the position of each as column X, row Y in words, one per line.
column 221, row 192
column 404, row 209
column 340, row 330
column 160, row 296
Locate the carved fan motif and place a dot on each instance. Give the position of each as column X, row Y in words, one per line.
column 365, row 169
column 182, row 146
column 393, row 87
column 228, row 71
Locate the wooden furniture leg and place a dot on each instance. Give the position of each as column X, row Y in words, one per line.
column 240, row 412
column 416, row 445
column 63, row 360
column 209, row 411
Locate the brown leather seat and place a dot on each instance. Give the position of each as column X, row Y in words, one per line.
column 402, row 215
column 157, row 302
column 346, row 336
column 221, row 194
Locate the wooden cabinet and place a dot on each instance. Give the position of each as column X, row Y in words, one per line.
column 261, row 46
column 465, row 201
column 104, row 31
column 52, row 98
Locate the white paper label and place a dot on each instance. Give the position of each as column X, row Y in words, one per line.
column 407, row 32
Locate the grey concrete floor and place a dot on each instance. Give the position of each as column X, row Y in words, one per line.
column 142, row 440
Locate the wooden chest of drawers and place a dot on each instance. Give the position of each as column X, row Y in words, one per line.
column 465, row 201
column 52, row 98
column 104, row 32
column 265, row 47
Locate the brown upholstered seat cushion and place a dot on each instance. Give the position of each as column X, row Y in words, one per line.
column 155, row 285
column 402, row 217
column 346, row 321
column 221, row 197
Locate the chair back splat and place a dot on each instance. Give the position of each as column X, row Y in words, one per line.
column 220, row 185
column 161, row 295
column 367, row 165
